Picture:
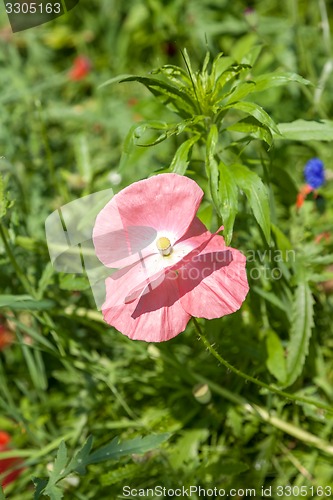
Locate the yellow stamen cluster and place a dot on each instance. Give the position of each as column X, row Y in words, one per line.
column 164, row 246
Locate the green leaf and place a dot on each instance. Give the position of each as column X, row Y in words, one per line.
column 33, row 333
column 229, row 74
column 174, row 98
column 53, row 492
column 74, row 282
column 25, row 302
column 151, row 126
column 174, row 73
column 240, row 91
column 2, row 495
column 187, row 448
column 115, row 79
column 228, row 200
column 40, row 484
column 277, row 79
column 34, row 363
column 254, row 110
column 60, row 462
column 252, row 127
column 3, row 203
column 232, row 467
column 270, row 297
column 9, row 300
column 57, row 473
column 276, row 361
column 120, row 474
column 135, row 133
column 212, row 167
column 116, row 450
column 83, row 159
column 300, row 333
column 282, row 242
column 45, row 280
column 81, row 459
column 180, row 160
column 302, row 130
column 257, row 195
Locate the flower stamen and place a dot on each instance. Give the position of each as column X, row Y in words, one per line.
column 164, row 246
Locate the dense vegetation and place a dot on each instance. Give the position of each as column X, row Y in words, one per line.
column 238, row 97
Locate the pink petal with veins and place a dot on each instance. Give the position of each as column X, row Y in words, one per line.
column 215, row 283
column 153, row 317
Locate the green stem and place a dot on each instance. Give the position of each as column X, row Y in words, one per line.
column 297, row 399
column 264, row 415
column 20, row 274
column 58, row 186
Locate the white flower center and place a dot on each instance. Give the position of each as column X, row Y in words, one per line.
column 164, row 246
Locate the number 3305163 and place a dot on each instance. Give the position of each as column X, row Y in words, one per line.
column 33, row 8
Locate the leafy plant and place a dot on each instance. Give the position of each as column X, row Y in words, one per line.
column 63, row 466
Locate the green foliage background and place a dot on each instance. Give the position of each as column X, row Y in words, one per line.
column 69, row 384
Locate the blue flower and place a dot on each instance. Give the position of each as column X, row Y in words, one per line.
column 314, row 173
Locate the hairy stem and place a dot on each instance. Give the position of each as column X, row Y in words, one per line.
column 249, row 378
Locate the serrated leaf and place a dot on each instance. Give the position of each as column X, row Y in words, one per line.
column 187, row 447
column 116, row 450
column 302, row 130
column 81, row 459
column 119, row 474
column 300, row 333
column 180, row 160
column 276, row 361
column 228, row 200
column 53, row 492
column 60, row 462
column 40, row 484
column 257, row 196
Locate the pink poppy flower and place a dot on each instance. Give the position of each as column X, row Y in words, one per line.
column 170, row 267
